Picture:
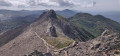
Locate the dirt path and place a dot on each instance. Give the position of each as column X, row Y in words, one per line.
column 66, row 54
column 46, row 44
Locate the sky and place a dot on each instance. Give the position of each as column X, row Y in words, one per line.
column 84, row 5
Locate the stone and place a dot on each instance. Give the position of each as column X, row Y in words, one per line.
column 53, row 31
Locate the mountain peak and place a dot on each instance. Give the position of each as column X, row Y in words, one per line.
column 48, row 15
column 51, row 13
column 67, row 10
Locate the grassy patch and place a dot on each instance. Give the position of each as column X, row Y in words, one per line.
column 59, row 42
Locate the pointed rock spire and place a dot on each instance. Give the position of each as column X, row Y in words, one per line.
column 51, row 13
column 49, row 16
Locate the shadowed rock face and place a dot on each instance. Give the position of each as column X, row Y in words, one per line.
column 67, row 29
column 53, row 31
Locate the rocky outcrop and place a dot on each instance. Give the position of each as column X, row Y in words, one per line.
column 53, row 31
column 37, row 53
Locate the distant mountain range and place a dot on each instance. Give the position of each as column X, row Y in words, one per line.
column 66, row 13
column 112, row 15
column 9, row 14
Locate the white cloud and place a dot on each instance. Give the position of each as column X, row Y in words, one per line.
column 16, row 3
column 42, row 3
column 85, row 3
column 47, row 3
column 4, row 3
column 29, row 3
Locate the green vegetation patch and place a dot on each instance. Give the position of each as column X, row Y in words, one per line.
column 59, row 42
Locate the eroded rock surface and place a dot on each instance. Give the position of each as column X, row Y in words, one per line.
column 101, row 46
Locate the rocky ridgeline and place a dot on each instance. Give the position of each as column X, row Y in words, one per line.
column 104, row 45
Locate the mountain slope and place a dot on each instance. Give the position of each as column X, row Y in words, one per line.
column 11, row 34
column 66, row 13
column 94, row 24
column 15, row 22
column 48, row 33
